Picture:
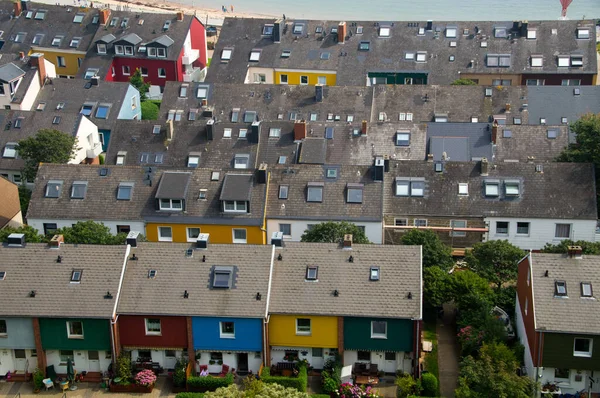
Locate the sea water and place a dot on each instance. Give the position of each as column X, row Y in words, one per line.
column 410, row 10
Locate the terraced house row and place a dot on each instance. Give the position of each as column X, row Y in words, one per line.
column 244, row 307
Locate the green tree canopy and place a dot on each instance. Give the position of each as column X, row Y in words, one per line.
column 256, row 389
column 463, row 82
column 466, row 288
column 587, row 247
column 495, row 260
column 90, row 232
column 137, row 81
column 47, row 146
column 149, row 110
column 494, row 374
column 31, row 234
column 333, row 232
column 435, row 252
column 436, row 286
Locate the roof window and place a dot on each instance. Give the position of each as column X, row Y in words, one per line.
column 354, row 193
column 40, row 14
column 152, row 273
column 586, row 289
column 102, row 111
column 402, row 138
column 560, row 288
column 193, row 160
column 577, row 60
column 29, row 15
column 202, row 92
column 53, row 188
column 222, row 277
column 312, row 273
column 325, row 55
column 76, row 275
column 226, row 54
column 255, row 55
column 2, row 275
column 286, row 53
column 183, row 91
column 121, row 155
column 498, row 60
column 492, row 188
column 268, row 30
column 79, row 189
column 319, row 29
column 374, row 274
column 283, row 191
column 537, row 61
column 552, row 133
column 10, row 150
column 511, row 188
column 384, row 31
column 451, row 31
column 298, row 28
column 564, row 60
column 583, row 33
column 314, row 192
column 463, row 189
column 37, row 39
column 500, row 32
column 364, row 46
column 113, row 21
column 241, row 161
column 214, row 176
column 78, row 18
column 249, row 116
column 531, row 34
column 483, row 44
column 124, row 191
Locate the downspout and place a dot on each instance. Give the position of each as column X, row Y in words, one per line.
column 267, row 317
column 418, row 334
column 114, row 317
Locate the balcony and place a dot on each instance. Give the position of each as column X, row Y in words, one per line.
column 190, row 57
column 96, row 150
column 194, row 74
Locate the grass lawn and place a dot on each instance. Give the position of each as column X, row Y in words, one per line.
column 431, row 358
column 208, row 62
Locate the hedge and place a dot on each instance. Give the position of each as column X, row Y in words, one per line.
column 208, row 383
column 299, row 383
column 190, row 395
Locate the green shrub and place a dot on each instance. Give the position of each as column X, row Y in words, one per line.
column 209, row 383
column 299, row 383
column 38, row 379
column 430, row 384
column 101, row 159
column 320, row 395
column 124, row 367
column 149, row 111
column 179, row 373
column 407, row 386
column 190, row 395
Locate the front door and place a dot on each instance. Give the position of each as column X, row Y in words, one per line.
column 317, row 358
column 94, row 361
column 170, row 359
column 389, row 365
column 20, row 360
column 6, row 361
column 242, row 362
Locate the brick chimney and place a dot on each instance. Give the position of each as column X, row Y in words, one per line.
column 300, row 130
column 484, row 167
column 36, row 60
column 507, row 108
column 347, row 243
column 104, row 16
column 18, row 8
column 342, row 32
column 575, row 251
column 494, row 132
column 364, row 128
column 180, row 15
column 56, row 241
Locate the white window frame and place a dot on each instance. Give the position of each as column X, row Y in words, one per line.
column 165, row 239
column 161, row 52
column 163, row 75
column 537, row 61
column 301, row 330
column 528, row 228
column 153, row 332
column 458, row 234
column 151, row 51
column 101, row 48
column 60, row 61
column 119, row 49
column 494, row 192
column 193, row 161
column 283, row 79
column 378, row 335
column 125, row 70
column 235, row 206
column 563, row 237
column 71, row 335
column 226, row 335
column 507, row 228
column 463, row 188
column 307, row 80
column 243, row 241
column 191, row 238
column 585, row 354
column 227, row 132
column 171, row 205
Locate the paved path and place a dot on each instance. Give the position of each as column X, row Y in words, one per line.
column 448, row 352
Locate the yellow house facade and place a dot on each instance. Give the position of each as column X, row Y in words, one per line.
column 305, row 77
column 67, row 62
column 243, row 234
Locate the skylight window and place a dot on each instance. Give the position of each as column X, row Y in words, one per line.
column 576, row 60
column 511, row 188
column 500, row 32
column 283, row 191
column 374, row 274
column 152, row 274
column 531, row 34
column 102, row 111
column 384, row 31
column 586, row 289
column 314, row 192
column 298, row 28
column 331, row 173
column 552, row 133
column 193, row 161
column 451, row 32
column 537, row 61
column 202, row 92
column 492, row 188
column 312, row 272
column 221, row 278
column 354, row 193
column 37, row 39
column 53, row 189
column 18, row 122
column 286, row 53
column 463, row 189
column 249, row 117
column 78, row 18
column 560, row 288
column 255, row 55
column 402, row 138
column 563, row 60
column 86, row 109
column 79, row 189
column 583, row 33
column 274, row 132
column 421, row 56
column 364, row 46
column 241, row 161
column 124, row 191
column 10, row 150
column 76, row 275
column 57, row 40
column 2, row 275
column 121, row 155
column 226, row 54
column 40, row 14
column 214, row 176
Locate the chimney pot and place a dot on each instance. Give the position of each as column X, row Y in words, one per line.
column 56, row 241
column 104, row 16
column 18, row 8
column 202, row 241
column 347, row 244
column 300, row 130
column 575, row 251
column 494, row 132
column 341, row 32
column 484, row 167
column 364, row 127
column 180, row 15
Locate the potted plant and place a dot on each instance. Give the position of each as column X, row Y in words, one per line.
column 38, row 380
column 146, row 378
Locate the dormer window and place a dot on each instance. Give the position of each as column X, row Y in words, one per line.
column 563, row 60
column 417, row 188
column 374, row 274
column 235, row 206
column 312, row 272
column 128, row 50
column 403, row 138
column 384, row 31
column 101, row 48
column 314, row 192
column 171, row 204
column 586, row 289
column 255, row 55
column 161, row 52
column 354, row 193
column 560, row 289
column 537, row 61
column 298, row 28
column 193, row 160
column 492, row 188
column 241, row 161
column 53, row 189
column 531, row 34
column 511, row 188
column 268, row 30
column 451, row 31
column 500, row 32
column 576, row 60
column 421, row 56
column 583, row 33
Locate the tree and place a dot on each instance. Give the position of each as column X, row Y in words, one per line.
column 256, row 389
column 92, row 233
column 467, row 289
column 435, row 252
column 495, row 260
column 333, row 232
column 149, row 110
column 47, row 146
column 31, row 234
column 463, row 82
column 436, row 283
column 24, row 198
column 586, row 149
column 494, row 374
column 562, row 247
column 137, row 81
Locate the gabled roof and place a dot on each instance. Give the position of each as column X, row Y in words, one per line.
column 131, row 38
column 163, row 40
column 570, row 184
column 400, row 271
column 109, row 38
column 565, row 314
column 335, row 205
column 163, row 294
column 9, row 72
column 173, row 185
column 237, row 187
column 556, row 102
column 9, row 201
column 54, row 292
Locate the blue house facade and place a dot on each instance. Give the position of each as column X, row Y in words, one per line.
column 236, row 342
column 17, row 345
column 131, row 109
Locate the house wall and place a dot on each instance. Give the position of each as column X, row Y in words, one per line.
column 522, row 335
column 19, row 334
column 399, row 77
column 38, row 223
column 5, row 98
column 230, row 359
column 402, row 361
column 87, row 139
column 160, row 356
column 268, row 72
column 81, row 361
column 487, row 79
column 372, row 229
column 152, row 65
column 357, row 335
column 555, row 79
column 198, row 38
column 218, row 233
column 313, row 76
column 277, row 354
column 557, row 352
column 16, row 221
column 30, row 95
column 131, row 109
column 132, row 332
column 394, row 236
column 282, row 331
column 96, row 334
column 71, row 59
column 541, row 231
column 576, row 382
column 526, row 328
column 207, row 334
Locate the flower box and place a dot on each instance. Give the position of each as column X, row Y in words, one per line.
column 131, row 388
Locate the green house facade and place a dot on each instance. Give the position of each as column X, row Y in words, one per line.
column 86, row 341
column 387, row 342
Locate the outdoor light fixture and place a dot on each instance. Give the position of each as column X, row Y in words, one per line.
column 546, row 273
column 409, row 296
column 203, row 259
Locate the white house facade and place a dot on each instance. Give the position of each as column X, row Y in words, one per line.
column 293, row 229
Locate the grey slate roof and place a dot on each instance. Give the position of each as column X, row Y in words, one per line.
column 400, row 270
column 55, row 295
column 570, row 184
column 314, row 150
column 237, row 187
column 102, row 195
column 555, row 102
column 387, row 53
column 527, row 141
column 462, row 142
column 176, row 273
column 173, row 185
column 9, row 72
column 561, row 314
column 334, row 205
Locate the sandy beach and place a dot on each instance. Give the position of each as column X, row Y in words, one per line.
column 208, row 16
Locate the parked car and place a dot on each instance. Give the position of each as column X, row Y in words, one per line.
column 502, row 316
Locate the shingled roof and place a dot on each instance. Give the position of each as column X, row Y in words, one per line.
column 55, row 294
column 570, row 184
column 564, row 314
column 177, row 272
column 400, row 274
